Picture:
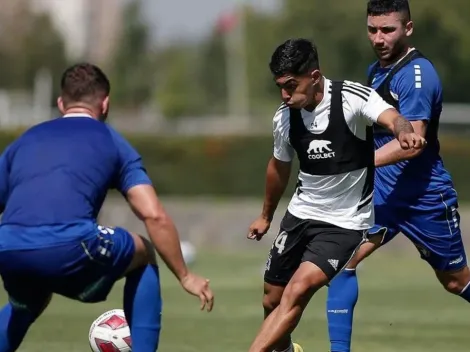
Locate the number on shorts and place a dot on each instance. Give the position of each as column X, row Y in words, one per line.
column 280, row 242
column 105, row 230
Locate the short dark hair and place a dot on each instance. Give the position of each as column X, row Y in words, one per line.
column 294, row 56
column 84, row 82
column 384, row 7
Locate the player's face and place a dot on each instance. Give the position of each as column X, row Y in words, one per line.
column 299, row 91
column 388, row 35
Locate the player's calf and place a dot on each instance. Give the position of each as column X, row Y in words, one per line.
column 142, row 297
column 343, row 294
column 283, row 320
column 271, row 299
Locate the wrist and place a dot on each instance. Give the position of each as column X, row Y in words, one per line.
column 183, row 275
column 266, row 216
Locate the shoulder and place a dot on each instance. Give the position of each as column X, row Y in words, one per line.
column 281, row 118
column 418, row 73
column 115, row 135
column 122, row 145
column 356, row 93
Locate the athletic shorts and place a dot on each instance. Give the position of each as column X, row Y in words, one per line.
column 327, row 246
column 85, row 270
column 433, row 226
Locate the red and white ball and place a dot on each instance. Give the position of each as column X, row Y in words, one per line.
column 110, row 333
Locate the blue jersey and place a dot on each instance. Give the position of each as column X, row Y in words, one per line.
column 55, row 177
column 418, row 91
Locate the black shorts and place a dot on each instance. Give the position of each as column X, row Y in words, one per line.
column 327, row 246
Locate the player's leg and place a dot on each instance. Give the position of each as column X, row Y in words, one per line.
column 142, row 297
column 28, row 297
column 17, row 316
column 101, row 261
column 437, row 236
column 284, row 258
column 329, row 249
column 343, row 290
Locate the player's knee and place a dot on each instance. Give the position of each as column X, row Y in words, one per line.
column 144, row 253
column 271, row 298
column 455, row 282
column 306, row 281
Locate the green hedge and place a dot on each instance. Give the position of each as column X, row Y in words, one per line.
column 235, row 166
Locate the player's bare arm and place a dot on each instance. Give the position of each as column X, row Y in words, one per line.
column 164, row 236
column 409, row 142
column 277, row 177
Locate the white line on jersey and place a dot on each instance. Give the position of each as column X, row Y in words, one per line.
column 417, row 76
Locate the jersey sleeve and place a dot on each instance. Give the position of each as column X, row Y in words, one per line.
column 417, row 85
column 131, row 171
column 365, row 102
column 283, row 150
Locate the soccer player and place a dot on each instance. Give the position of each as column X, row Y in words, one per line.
column 414, row 193
column 328, row 125
column 53, row 181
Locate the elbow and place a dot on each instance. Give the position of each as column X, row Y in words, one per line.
column 155, row 217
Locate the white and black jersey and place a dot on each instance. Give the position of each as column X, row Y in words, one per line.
column 334, row 144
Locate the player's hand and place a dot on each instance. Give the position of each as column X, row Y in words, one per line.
column 258, row 229
column 199, row 286
column 411, row 141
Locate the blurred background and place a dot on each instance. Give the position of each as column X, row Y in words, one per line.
column 192, row 91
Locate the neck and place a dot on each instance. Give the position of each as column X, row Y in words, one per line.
column 84, row 111
column 401, row 55
column 317, row 96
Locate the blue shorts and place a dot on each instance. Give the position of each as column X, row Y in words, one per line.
column 433, row 225
column 85, row 270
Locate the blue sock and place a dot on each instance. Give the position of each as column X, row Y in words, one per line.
column 143, row 307
column 14, row 324
column 465, row 294
column 343, row 293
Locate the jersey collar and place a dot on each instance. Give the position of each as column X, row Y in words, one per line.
column 78, row 115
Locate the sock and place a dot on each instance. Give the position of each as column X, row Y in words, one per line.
column 289, row 349
column 343, row 294
column 14, row 323
column 465, row 294
column 143, row 308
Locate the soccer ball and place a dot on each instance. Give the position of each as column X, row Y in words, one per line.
column 110, row 333
column 188, row 251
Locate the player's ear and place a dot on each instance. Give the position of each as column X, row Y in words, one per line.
column 60, row 105
column 315, row 76
column 409, row 28
column 105, row 106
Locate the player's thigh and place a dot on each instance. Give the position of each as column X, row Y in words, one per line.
column 98, row 263
column 437, row 236
column 385, row 228
column 27, row 293
column 331, row 248
column 381, row 233
column 286, row 251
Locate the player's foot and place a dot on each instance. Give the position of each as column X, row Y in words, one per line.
column 297, row 348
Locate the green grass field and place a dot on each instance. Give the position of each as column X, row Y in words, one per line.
column 402, row 308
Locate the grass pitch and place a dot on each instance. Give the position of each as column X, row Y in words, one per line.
column 401, row 308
